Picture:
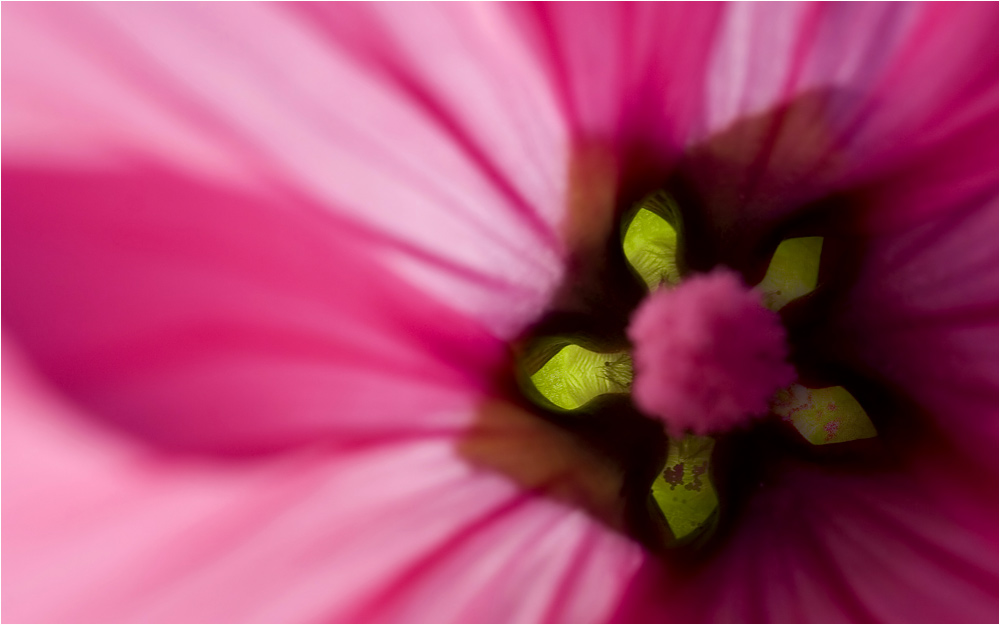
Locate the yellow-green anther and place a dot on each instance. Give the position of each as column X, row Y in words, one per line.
column 575, row 375
column 650, row 241
column 683, row 490
column 823, row 415
column 793, row 271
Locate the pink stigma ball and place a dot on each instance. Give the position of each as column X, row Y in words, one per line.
column 708, row 356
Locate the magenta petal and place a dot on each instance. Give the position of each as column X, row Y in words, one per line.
column 100, row 530
column 923, row 318
column 206, row 319
column 819, row 546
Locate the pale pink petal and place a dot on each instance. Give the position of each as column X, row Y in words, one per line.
column 851, row 93
column 100, row 530
column 842, row 94
column 268, row 98
column 226, row 298
column 629, row 75
column 526, row 565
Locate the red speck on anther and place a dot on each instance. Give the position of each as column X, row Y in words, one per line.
column 831, row 429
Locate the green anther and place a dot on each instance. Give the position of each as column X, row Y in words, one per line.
column 650, row 241
column 823, row 415
column 575, row 376
column 793, row 271
column 683, row 490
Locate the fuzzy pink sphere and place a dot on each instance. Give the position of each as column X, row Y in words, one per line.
column 708, row 355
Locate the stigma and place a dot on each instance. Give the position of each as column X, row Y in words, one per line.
column 708, row 356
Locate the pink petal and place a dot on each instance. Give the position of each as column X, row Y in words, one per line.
column 326, row 172
column 99, row 529
column 269, row 99
column 281, row 329
column 625, row 71
column 784, row 103
column 828, row 546
column 922, row 317
column 868, row 89
column 217, row 310
column 203, row 318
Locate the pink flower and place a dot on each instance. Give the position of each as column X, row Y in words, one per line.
column 263, row 263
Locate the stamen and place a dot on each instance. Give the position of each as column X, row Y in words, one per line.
column 823, row 415
column 708, row 356
column 683, row 491
column 650, row 240
column 574, row 376
column 793, row 271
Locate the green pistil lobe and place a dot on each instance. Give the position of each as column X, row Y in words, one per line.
column 793, row 272
column 575, row 376
column 823, row 415
column 683, row 491
column 650, row 241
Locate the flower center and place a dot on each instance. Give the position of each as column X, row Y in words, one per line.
column 701, row 356
column 708, row 356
